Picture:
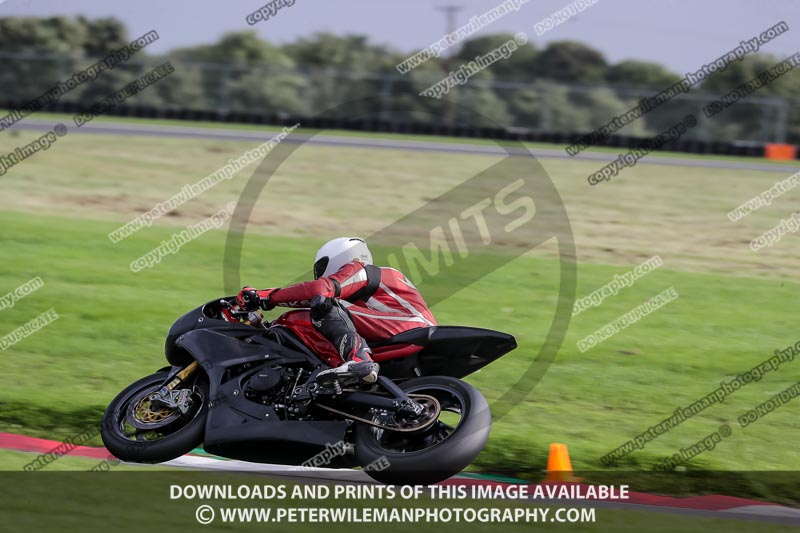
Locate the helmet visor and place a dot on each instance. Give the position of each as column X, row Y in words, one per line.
column 320, row 266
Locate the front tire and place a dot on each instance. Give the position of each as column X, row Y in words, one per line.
column 434, row 454
column 174, row 433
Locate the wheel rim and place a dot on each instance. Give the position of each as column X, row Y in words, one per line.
column 136, row 421
column 452, row 415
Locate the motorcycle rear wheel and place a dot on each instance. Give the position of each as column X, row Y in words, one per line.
column 436, row 453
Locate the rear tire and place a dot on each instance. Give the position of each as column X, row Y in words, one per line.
column 433, row 461
column 183, row 435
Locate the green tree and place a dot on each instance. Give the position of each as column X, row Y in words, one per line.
column 36, row 53
column 519, row 66
column 56, row 34
column 103, row 35
column 570, row 61
column 245, row 73
column 266, row 92
column 640, row 74
column 567, row 109
column 752, row 118
column 353, row 53
column 240, row 49
column 345, row 69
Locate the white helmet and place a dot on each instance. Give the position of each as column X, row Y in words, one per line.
column 336, row 253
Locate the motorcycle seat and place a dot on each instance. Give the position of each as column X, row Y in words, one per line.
column 417, row 336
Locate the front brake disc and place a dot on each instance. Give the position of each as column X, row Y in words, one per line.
column 142, row 415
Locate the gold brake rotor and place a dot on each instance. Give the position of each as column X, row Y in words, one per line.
column 144, row 412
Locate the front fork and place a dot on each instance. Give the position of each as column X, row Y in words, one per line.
column 168, row 397
column 183, row 374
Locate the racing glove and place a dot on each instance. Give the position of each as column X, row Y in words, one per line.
column 251, row 299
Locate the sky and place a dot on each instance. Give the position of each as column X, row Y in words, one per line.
column 679, row 34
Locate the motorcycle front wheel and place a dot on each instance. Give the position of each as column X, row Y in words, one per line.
column 136, row 431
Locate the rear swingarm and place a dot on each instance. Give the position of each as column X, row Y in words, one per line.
column 398, row 412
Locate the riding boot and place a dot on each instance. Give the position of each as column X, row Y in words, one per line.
column 331, row 319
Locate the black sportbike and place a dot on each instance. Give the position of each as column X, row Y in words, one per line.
column 245, row 388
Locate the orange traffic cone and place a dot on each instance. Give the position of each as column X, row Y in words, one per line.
column 559, row 467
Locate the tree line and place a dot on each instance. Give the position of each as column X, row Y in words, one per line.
column 565, row 86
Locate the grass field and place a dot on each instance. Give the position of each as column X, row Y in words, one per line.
column 735, row 306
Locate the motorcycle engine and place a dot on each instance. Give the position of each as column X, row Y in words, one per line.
column 269, row 385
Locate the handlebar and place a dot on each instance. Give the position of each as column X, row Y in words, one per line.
column 230, row 312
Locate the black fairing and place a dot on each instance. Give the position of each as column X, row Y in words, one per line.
column 242, row 429
column 455, row 351
column 194, row 320
column 458, row 351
